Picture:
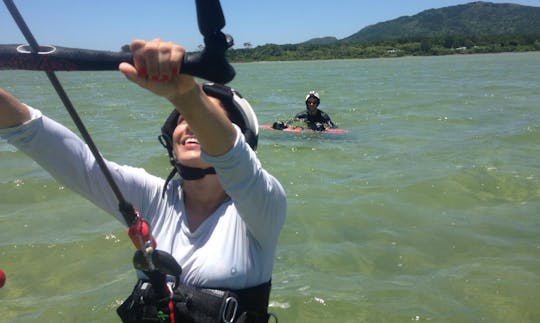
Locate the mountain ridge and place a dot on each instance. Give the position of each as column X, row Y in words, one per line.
column 478, row 18
column 472, row 28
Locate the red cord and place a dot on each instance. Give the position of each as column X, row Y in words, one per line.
column 140, row 233
column 171, row 311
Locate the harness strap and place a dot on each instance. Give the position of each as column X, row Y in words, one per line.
column 254, row 299
column 197, row 305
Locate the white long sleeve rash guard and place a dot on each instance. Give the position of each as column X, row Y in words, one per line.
column 234, row 248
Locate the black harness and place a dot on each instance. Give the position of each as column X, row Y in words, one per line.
column 196, row 305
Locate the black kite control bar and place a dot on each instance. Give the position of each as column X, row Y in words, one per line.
column 209, row 64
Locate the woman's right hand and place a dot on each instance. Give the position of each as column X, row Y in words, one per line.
column 156, row 67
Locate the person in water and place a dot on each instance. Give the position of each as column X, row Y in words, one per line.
column 314, row 118
column 220, row 220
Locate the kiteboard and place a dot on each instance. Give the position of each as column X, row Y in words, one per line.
column 301, row 129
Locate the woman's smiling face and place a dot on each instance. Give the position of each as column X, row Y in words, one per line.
column 186, row 146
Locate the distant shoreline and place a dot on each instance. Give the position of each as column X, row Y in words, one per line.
column 390, row 48
column 402, row 56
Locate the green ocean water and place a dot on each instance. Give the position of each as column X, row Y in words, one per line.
column 426, row 210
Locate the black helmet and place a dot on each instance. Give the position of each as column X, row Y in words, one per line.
column 239, row 112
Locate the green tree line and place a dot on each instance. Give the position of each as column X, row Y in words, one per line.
column 442, row 45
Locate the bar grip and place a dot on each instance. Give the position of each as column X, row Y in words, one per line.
column 210, row 64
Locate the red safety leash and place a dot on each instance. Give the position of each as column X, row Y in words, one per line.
column 141, row 236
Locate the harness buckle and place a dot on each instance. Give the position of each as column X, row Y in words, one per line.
column 229, row 301
column 170, row 289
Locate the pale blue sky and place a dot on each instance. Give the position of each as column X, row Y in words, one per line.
column 109, row 24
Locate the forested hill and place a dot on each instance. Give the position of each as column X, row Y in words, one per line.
column 476, row 27
column 473, row 19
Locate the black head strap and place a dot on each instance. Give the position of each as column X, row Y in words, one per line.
column 187, row 173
